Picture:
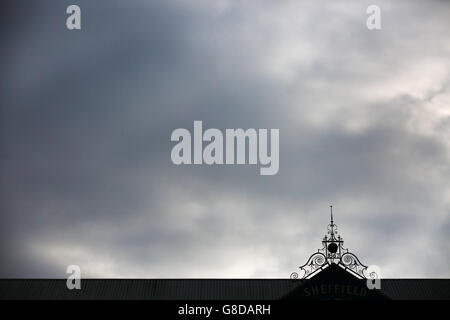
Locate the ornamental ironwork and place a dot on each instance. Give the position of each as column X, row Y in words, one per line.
column 332, row 251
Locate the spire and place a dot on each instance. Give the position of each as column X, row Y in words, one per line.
column 331, row 208
column 332, row 226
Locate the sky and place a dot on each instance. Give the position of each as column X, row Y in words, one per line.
column 87, row 115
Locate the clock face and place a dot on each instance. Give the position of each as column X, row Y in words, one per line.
column 332, row 247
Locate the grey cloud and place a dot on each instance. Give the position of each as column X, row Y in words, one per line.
column 86, row 123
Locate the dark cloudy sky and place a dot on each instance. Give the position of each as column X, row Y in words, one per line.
column 86, row 118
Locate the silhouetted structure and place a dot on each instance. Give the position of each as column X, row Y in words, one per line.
column 333, row 253
column 334, row 272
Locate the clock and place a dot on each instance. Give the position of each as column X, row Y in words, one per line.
column 333, row 247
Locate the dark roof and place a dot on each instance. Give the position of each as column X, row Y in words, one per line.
column 197, row 289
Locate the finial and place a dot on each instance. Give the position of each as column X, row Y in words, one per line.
column 331, row 209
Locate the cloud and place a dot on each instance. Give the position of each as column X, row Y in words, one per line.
column 86, row 123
